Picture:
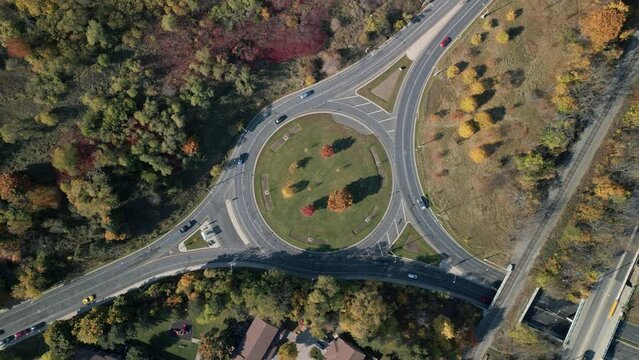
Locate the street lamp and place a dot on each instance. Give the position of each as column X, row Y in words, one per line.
column 485, row 9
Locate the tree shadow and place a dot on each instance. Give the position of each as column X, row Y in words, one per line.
column 343, row 144
column 492, row 147
column 497, row 113
column 513, row 32
column 481, row 69
column 363, row 187
column 321, row 203
column 519, row 12
column 301, row 164
column 485, row 97
column 462, row 65
column 300, row 186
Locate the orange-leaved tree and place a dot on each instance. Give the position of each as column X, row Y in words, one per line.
column 340, row 200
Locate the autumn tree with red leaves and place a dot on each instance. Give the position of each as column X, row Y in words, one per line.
column 308, row 210
column 190, row 147
column 327, row 151
column 340, row 200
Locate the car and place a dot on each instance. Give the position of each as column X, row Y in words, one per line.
column 412, row 276
column 423, row 202
column 88, row 299
column 402, row 68
column 7, row 340
column 241, row 159
column 307, row 94
column 321, row 345
column 485, row 300
column 38, row 326
column 280, row 119
column 187, row 226
column 445, row 41
column 22, row 333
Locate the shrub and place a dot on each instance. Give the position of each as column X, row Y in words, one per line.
column 564, row 103
column 477, row 88
column 467, row 129
column 631, row 118
column 452, row 71
column 468, row 104
column 476, row 39
column 308, row 210
column 470, row 75
column 46, row 118
column 478, row 154
column 327, row 151
column 488, row 25
column 503, row 37
column 484, row 119
column 216, row 171
column 535, row 167
column 340, row 200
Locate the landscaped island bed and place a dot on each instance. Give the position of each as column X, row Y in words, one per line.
column 300, row 174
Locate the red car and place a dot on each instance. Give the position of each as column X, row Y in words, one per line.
column 22, row 333
column 485, row 299
column 444, row 42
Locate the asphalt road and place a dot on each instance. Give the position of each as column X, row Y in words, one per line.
column 247, row 240
column 602, row 311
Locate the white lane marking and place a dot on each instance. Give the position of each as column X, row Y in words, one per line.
column 345, row 98
column 375, row 112
column 388, row 119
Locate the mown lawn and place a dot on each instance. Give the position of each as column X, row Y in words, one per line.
column 411, row 245
column 387, row 104
column 195, row 241
column 299, row 164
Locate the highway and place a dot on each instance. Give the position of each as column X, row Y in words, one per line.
column 246, row 239
column 596, row 325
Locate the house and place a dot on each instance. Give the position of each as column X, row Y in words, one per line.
column 341, row 350
column 260, row 341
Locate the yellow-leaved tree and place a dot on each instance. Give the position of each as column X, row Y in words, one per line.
column 467, row 129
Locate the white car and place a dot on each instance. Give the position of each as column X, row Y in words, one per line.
column 412, row 276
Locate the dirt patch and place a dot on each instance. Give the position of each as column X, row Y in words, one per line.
column 481, row 204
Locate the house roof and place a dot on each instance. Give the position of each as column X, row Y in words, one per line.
column 341, row 350
column 257, row 341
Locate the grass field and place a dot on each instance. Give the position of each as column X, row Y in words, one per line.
column 298, row 164
column 411, row 245
column 387, row 104
column 481, row 204
column 195, row 241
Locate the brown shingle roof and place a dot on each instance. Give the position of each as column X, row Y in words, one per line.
column 341, row 350
column 257, row 341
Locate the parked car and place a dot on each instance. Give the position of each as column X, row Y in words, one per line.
column 412, row 276
column 307, row 94
column 423, row 202
column 7, row 340
column 485, row 300
column 88, row 299
column 187, row 226
column 321, row 345
column 280, row 119
column 22, row 333
column 445, row 41
column 38, row 326
column 402, row 68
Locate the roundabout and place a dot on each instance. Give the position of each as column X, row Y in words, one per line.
column 321, row 185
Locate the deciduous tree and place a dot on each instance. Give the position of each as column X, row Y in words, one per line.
column 467, row 129
column 603, row 25
column 340, row 200
column 452, row 71
column 327, row 151
column 503, row 37
column 468, row 104
column 478, row 154
column 288, row 351
column 308, row 210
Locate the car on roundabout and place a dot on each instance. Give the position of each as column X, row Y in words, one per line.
column 307, row 94
column 187, row 226
column 423, row 202
column 280, row 119
column 412, row 276
column 89, row 299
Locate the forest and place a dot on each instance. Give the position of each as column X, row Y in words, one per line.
column 117, row 115
column 386, row 321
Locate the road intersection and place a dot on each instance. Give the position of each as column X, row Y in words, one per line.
column 247, row 241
